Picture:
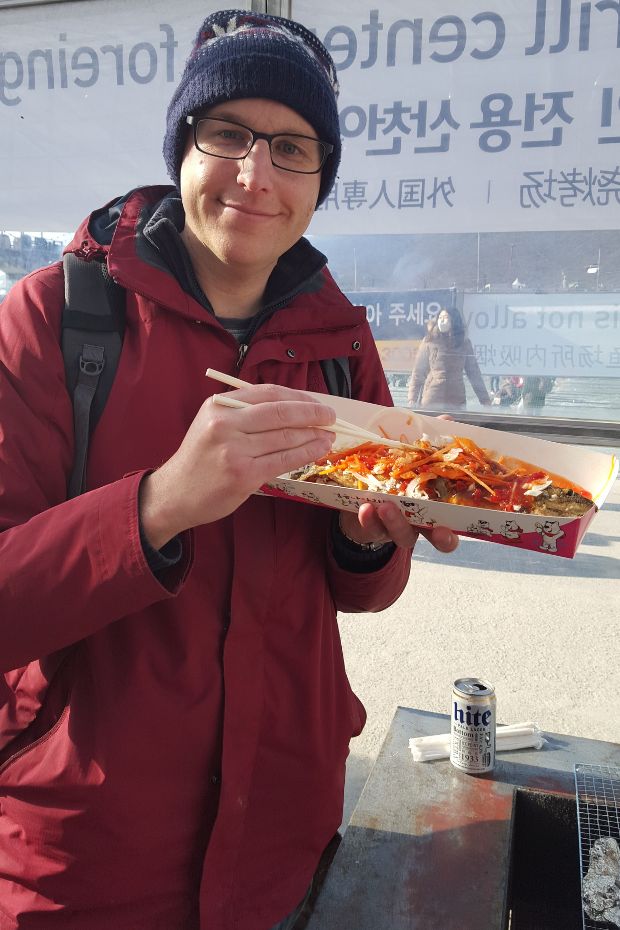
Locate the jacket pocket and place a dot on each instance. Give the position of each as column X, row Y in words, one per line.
column 53, row 709
column 33, row 746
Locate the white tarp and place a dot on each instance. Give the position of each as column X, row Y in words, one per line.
column 457, row 115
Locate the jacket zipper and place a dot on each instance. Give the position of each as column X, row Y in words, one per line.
column 33, row 745
column 265, row 315
column 243, row 351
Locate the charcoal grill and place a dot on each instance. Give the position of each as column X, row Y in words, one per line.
column 598, row 815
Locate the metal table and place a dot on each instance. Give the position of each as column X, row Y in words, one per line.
column 430, row 848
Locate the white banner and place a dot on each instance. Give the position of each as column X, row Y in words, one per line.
column 84, row 88
column 474, row 115
column 576, row 335
column 457, row 115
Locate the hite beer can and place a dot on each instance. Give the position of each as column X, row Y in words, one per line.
column 472, row 729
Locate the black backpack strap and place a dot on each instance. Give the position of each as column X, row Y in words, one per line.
column 337, row 376
column 93, row 326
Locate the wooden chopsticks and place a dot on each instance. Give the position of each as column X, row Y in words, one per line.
column 226, row 379
column 340, row 426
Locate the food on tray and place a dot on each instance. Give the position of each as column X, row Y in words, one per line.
column 454, row 470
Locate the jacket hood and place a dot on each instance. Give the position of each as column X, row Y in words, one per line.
column 97, row 229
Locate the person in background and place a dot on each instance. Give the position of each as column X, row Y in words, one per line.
column 175, row 713
column 445, row 357
column 534, row 393
column 509, row 391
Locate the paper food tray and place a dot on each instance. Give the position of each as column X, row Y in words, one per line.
column 594, row 471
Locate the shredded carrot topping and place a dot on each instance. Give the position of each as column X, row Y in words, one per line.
column 472, row 475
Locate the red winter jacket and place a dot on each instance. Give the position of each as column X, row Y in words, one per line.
column 172, row 754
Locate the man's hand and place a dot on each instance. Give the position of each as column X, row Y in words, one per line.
column 386, row 523
column 228, row 453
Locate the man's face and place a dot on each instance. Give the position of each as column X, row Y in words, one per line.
column 246, row 213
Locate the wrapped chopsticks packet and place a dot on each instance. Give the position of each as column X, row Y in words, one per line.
column 527, row 735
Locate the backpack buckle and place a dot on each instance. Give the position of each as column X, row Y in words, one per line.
column 92, row 360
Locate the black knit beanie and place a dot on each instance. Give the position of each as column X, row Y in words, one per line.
column 243, row 54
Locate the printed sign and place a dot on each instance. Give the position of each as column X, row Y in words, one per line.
column 469, row 116
column 84, row 88
column 576, row 335
column 401, row 314
column 545, row 334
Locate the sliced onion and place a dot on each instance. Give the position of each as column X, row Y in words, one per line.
column 412, row 490
column 537, row 489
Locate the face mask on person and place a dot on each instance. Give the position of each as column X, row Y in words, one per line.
column 443, row 324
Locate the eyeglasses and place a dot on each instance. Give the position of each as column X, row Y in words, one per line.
column 289, row 151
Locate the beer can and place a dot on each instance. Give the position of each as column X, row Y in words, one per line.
column 472, row 728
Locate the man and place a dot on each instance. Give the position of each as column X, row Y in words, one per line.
column 175, row 713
